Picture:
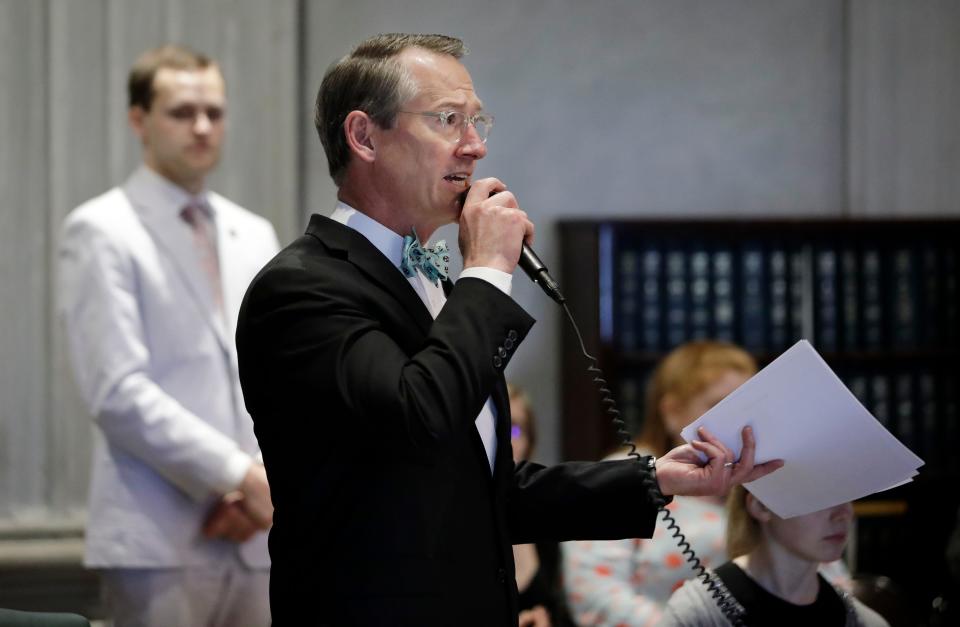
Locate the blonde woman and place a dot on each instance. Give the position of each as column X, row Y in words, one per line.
column 774, row 578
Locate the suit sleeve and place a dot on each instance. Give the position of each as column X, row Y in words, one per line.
column 320, row 329
column 579, row 501
column 110, row 356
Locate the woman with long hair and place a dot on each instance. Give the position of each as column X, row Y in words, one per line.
column 773, row 577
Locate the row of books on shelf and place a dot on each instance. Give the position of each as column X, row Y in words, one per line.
column 765, row 296
column 877, row 541
column 918, row 406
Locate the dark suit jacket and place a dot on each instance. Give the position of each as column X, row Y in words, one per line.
column 386, row 512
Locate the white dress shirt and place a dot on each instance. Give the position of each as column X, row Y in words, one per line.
column 391, row 245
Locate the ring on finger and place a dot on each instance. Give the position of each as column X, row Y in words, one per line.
column 728, row 465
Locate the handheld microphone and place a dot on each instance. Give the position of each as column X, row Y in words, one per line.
column 532, row 265
column 538, row 273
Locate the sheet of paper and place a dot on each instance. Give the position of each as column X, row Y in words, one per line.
column 833, row 449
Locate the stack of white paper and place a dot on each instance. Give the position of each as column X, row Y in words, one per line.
column 833, row 449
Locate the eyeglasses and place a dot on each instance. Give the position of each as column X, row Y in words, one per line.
column 453, row 124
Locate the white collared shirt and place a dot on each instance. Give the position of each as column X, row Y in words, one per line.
column 166, row 192
column 391, row 245
column 169, row 193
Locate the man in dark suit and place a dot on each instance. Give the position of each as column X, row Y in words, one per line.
column 377, row 388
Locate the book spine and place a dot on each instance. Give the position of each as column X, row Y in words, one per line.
column 780, row 333
column 930, row 319
column 753, row 319
column 628, row 304
column 880, row 400
column 700, row 293
column 950, row 305
column 850, row 299
column 857, row 384
column 949, row 426
column 929, row 420
column 904, row 295
column 651, row 328
column 825, row 299
column 905, row 410
column 677, row 297
column 801, row 290
column 630, row 401
column 872, row 312
column 723, row 295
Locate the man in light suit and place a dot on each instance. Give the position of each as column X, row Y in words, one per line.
column 152, row 274
column 376, row 386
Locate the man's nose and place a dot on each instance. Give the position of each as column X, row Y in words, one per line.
column 471, row 144
column 202, row 123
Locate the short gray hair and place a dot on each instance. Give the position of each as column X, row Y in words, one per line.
column 370, row 79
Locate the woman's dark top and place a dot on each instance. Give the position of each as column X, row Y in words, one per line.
column 764, row 608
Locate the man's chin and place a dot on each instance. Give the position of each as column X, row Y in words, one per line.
column 202, row 165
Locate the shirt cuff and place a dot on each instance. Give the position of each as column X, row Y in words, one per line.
column 500, row 280
column 235, row 469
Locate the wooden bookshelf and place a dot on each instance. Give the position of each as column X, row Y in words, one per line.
column 597, row 287
column 877, row 298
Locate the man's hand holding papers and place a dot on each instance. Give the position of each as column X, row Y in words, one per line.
column 833, row 448
column 681, row 471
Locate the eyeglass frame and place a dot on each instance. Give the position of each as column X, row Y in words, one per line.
column 469, row 120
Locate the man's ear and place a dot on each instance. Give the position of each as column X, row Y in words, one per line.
column 359, row 128
column 135, row 117
column 757, row 509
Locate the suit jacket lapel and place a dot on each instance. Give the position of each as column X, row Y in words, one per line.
column 230, row 246
column 360, row 252
column 173, row 235
column 231, row 243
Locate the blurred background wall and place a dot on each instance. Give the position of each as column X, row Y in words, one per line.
column 667, row 108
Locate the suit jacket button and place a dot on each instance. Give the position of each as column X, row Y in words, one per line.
column 508, row 344
column 502, row 352
column 497, row 362
column 502, row 575
column 512, row 335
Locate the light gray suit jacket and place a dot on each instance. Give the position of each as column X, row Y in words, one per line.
column 156, row 364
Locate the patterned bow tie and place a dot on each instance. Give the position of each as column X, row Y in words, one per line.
column 433, row 262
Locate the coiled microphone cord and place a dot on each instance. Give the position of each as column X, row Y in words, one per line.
column 721, row 596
